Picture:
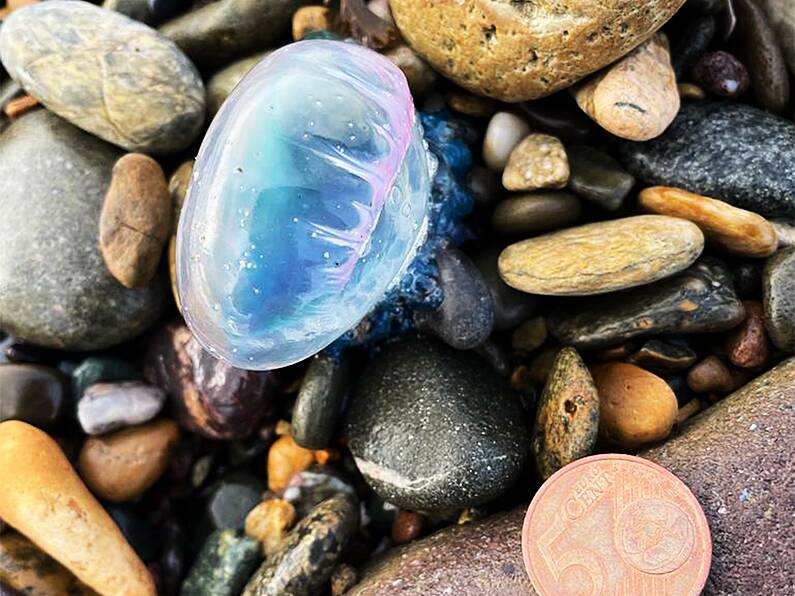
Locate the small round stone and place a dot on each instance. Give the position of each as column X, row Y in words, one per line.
column 720, row 73
column 530, row 335
column 597, row 177
column 538, row 161
column 408, row 526
column 232, row 498
column 747, row 345
column 311, row 18
column 710, row 376
column 286, row 459
column 504, row 132
column 319, row 403
column 535, row 212
column 105, row 407
column 31, row 393
column 635, row 407
column 269, row 523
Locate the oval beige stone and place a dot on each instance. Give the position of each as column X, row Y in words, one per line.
column 43, row 498
column 516, row 51
column 602, row 257
column 730, row 228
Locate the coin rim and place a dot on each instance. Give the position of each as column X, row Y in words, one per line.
column 701, row 518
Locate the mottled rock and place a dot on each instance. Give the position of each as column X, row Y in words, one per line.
column 729, row 228
column 309, row 554
column 269, row 522
column 25, row 568
column 602, row 257
column 343, row 579
column 31, row 393
column 538, row 161
column 465, row 318
column 211, row 397
column 747, row 345
column 211, row 34
column 319, row 403
column 759, row 49
column 732, row 458
column 635, row 98
column 468, row 435
column 660, row 356
column 522, row 51
column 107, row 74
column 504, row 132
column 721, row 74
column 636, row 407
column 699, row 300
column 105, row 407
column 729, row 151
column 511, row 307
column 481, row 557
column 220, row 85
column 597, row 177
column 778, row 290
column 710, row 376
column 61, row 295
column 121, row 466
column 567, row 418
column 135, row 222
column 223, row 566
column 44, row 499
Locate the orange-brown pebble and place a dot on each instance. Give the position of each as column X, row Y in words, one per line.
column 747, row 346
column 269, row 522
column 730, row 228
column 636, row 407
column 286, row 458
column 43, row 498
column 19, row 105
column 688, row 410
column 407, row 526
column 710, row 376
column 310, row 18
column 122, row 465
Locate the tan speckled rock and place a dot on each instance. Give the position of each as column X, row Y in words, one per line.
column 732, row 229
column 43, row 498
column 120, row 466
column 135, row 221
column 107, row 74
column 538, row 161
column 636, row 98
column 516, row 51
column 636, row 407
column 567, row 418
column 602, row 257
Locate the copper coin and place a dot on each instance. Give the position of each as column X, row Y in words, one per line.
column 616, row 525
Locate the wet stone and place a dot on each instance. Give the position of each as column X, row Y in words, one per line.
column 710, row 376
column 567, row 418
column 319, row 402
column 231, row 500
column 527, row 214
column 699, row 300
column 511, row 307
column 465, row 318
column 597, row 177
column 731, row 151
column 223, row 566
column 778, row 286
column 31, row 393
column 747, row 345
column 459, row 416
column 101, row 369
column 310, row 552
column 660, row 356
column 106, row 407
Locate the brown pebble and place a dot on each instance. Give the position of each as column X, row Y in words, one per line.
column 636, row 97
column 613, row 353
column 520, row 379
column 747, row 345
column 710, row 376
column 690, row 91
column 286, row 458
column 19, row 105
column 688, row 410
column 730, row 228
column 135, row 222
column 343, row 579
column 470, row 104
column 408, row 526
column 530, row 335
column 310, row 18
column 44, row 499
column 269, row 523
column 122, row 465
column 538, row 161
column 636, row 407
column 721, row 74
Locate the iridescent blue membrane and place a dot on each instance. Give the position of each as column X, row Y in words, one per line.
column 308, row 203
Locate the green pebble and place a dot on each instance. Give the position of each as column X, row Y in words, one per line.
column 101, row 370
column 223, row 566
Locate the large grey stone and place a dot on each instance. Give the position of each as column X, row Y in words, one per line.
column 54, row 287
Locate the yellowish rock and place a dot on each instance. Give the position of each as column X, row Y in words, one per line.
column 636, row 98
column 602, row 257
column 310, row 18
column 538, row 161
column 286, row 458
column 269, row 522
column 43, row 498
column 730, row 228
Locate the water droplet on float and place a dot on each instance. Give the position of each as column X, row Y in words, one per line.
column 326, row 255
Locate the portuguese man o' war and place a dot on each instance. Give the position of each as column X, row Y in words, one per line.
column 314, row 204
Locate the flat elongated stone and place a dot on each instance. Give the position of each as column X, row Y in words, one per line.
column 535, row 212
column 733, row 459
column 700, row 299
column 107, row 74
column 602, row 257
column 728, row 151
column 597, row 177
column 110, row 406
